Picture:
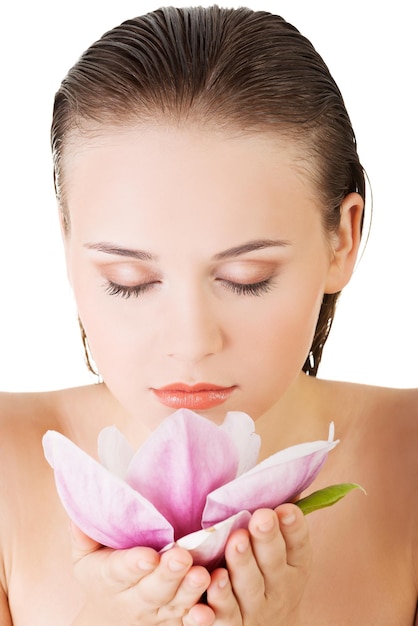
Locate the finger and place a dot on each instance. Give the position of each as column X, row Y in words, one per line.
column 269, row 547
column 81, row 544
column 222, row 600
column 175, row 587
column 161, row 586
column 119, row 569
column 116, row 569
column 123, row 569
column 294, row 528
column 199, row 615
column 246, row 578
column 192, row 587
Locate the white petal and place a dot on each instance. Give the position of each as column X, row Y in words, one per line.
column 241, row 429
column 277, row 479
column 300, row 450
column 207, row 546
column 114, row 451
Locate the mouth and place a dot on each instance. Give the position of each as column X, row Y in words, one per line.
column 194, row 397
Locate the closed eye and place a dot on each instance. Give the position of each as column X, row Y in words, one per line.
column 249, row 289
column 242, row 289
column 124, row 291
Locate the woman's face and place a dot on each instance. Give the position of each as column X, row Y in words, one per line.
column 198, row 262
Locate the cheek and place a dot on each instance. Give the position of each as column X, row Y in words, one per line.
column 109, row 326
column 122, row 352
column 284, row 331
column 275, row 345
column 115, row 341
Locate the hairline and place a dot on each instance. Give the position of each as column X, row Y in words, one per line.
column 303, row 161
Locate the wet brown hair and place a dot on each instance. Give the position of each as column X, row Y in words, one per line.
column 227, row 69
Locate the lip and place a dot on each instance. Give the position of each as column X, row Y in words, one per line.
column 196, row 397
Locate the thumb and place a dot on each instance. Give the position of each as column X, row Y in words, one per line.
column 81, row 544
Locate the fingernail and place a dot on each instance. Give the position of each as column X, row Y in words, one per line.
column 176, row 566
column 196, row 581
column 146, row 566
column 287, row 520
column 222, row 582
column 266, row 526
column 242, row 546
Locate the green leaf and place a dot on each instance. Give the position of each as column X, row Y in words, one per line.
column 326, row 497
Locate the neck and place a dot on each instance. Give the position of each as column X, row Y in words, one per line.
column 297, row 417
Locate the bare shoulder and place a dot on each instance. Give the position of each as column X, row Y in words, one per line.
column 373, row 407
column 393, row 412
column 25, row 418
column 394, row 421
column 378, row 432
column 22, row 417
column 404, row 402
column 27, row 492
column 378, row 429
column 25, row 415
column 14, row 405
column 393, row 418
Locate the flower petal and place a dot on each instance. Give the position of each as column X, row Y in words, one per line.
column 241, row 428
column 207, row 546
column 275, row 480
column 182, row 461
column 101, row 504
column 114, row 450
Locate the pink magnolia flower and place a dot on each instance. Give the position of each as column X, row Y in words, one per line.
column 191, row 483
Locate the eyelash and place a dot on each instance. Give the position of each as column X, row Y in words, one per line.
column 113, row 289
column 250, row 289
column 241, row 289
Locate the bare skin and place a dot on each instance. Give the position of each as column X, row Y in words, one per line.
column 215, row 276
column 364, row 548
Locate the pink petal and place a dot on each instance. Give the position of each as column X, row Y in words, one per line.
column 101, row 504
column 241, row 428
column 207, row 546
column 277, row 479
column 115, row 453
column 183, row 460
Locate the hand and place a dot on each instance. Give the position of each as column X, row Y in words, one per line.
column 139, row 587
column 267, row 570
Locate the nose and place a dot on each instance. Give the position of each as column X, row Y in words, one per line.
column 192, row 329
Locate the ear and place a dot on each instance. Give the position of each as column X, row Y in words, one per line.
column 345, row 243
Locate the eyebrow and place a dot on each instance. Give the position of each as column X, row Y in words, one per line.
column 110, row 248
column 142, row 255
column 251, row 246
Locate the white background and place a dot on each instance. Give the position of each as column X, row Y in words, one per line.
column 370, row 50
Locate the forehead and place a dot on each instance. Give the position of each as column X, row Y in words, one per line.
column 202, row 155
column 176, row 189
